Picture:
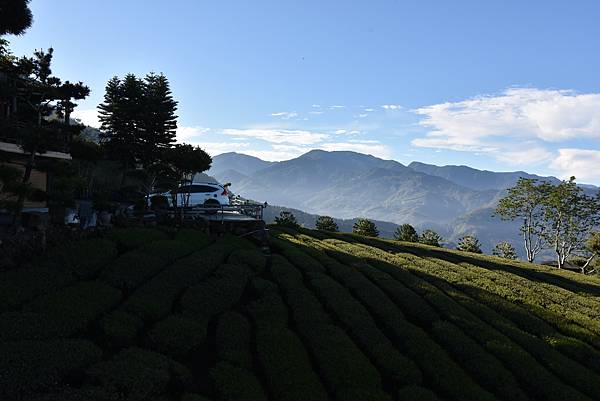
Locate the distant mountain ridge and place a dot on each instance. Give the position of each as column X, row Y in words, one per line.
column 453, row 200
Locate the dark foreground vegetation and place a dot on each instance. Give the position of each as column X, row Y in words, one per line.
column 142, row 314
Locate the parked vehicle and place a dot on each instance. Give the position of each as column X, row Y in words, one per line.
column 204, row 194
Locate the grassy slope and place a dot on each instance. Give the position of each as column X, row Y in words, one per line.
column 143, row 315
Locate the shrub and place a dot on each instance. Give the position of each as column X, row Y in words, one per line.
column 406, row 233
column 233, row 340
column 154, row 300
column 416, row 393
column 505, row 250
column 177, row 336
column 326, row 223
column 59, row 314
column 261, row 287
column 270, row 310
column 132, row 269
column 287, row 219
column 236, row 384
column 169, row 250
column 131, row 238
column 430, row 237
column 194, row 397
column 469, row 243
column 120, row 328
column 194, row 237
column 138, row 374
column 366, row 228
column 21, row 285
column 27, row 366
column 217, row 294
column 252, row 258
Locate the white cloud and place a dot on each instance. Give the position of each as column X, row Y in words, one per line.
column 316, row 106
column 340, row 132
column 279, row 152
column 285, row 115
column 526, row 119
column 87, row 117
column 548, row 115
column 336, row 106
column 378, row 150
column 184, row 134
column 362, row 115
column 279, row 136
column 582, row 163
column 369, row 110
column 316, row 112
column 391, row 106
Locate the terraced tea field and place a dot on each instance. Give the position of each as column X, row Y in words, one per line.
column 142, row 315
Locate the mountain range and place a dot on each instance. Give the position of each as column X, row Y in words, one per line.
column 453, row 200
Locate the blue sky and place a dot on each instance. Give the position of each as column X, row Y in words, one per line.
column 501, row 85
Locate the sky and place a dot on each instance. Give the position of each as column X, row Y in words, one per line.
column 497, row 85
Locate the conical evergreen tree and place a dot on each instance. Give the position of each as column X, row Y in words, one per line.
column 159, row 121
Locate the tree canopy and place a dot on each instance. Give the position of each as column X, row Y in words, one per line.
column 15, row 17
column 430, row 237
column 365, row 227
column 326, row 223
column 406, row 233
column 469, row 243
column 505, row 250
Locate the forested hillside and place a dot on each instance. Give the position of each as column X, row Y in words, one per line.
column 142, row 314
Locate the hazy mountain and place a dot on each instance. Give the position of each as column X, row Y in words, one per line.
column 476, row 179
column 236, row 161
column 453, row 200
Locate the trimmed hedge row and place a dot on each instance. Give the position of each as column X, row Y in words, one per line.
column 30, row 366
column 61, row 313
column 169, row 250
column 134, row 237
column 232, row 340
column 570, row 371
column 177, row 336
column 252, row 258
column 541, row 385
column 398, row 369
column 120, row 328
column 154, row 300
column 236, row 384
column 443, row 374
column 416, row 393
column 220, row 292
column 294, row 255
column 287, row 367
column 54, row 270
column 344, row 368
column 569, row 346
column 269, row 310
column 282, row 356
column 138, row 374
column 132, row 269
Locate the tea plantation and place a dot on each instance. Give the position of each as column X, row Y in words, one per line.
column 145, row 315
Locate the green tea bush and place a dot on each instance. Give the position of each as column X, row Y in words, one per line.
column 196, row 238
column 177, row 336
column 61, row 313
column 236, row 384
column 21, row 285
column 132, row 269
column 218, row 293
column 269, row 309
column 416, row 393
column 138, row 374
column 232, row 340
column 342, row 365
column 287, row 366
column 30, row 366
column 85, row 259
column 120, row 328
column 295, row 256
column 131, row 238
column 252, row 258
column 261, row 287
column 361, row 326
column 154, row 300
column 194, row 397
column 169, row 250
